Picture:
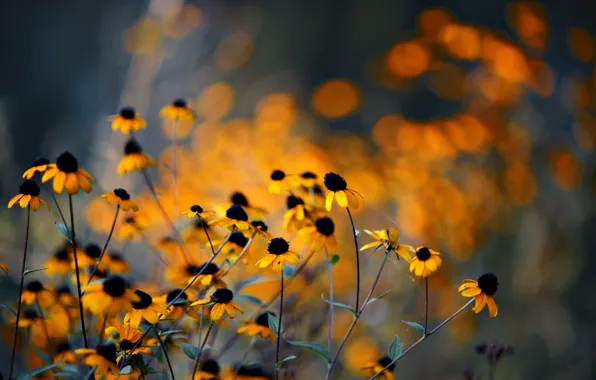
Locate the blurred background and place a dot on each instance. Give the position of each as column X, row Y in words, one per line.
column 471, row 127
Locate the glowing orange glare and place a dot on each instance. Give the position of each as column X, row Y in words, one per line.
column 510, row 63
column 144, row 37
column 276, row 112
column 183, row 22
column 448, row 81
column 529, row 22
column 234, row 51
column 565, row 168
column 408, row 59
column 216, row 101
column 581, row 43
column 520, row 183
column 542, row 77
column 384, row 132
column 462, row 41
column 336, row 98
column 432, row 20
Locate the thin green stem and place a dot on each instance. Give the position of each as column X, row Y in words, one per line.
column 240, row 255
column 21, row 287
column 76, row 260
column 201, row 347
column 208, row 237
column 165, row 352
column 248, row 348
column 331, row 300
column 281, row 311
column 174, row 168
column 59, row 209
column 105, row 246
column 357, row 251
column 426, row 307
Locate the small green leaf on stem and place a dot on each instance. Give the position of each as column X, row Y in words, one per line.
column 416, row 326
column 315, row 347
column 38, row 371
column 273, row 322
column 64, row 230
column 396, row 347
column 377, row 298
column 29, row 271
column 282, row 361
column 341, row 305
column 251, row 299
column 191, row 351
column 5, row 306
column 127, row 370
column 334, row 259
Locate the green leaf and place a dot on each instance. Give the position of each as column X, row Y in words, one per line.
column 29, row 271
column 251, row 299
column 126, row 370
column 273, row 321
column 315, row 347
column 334, row 259
column 416, row 326
column 208, row 347
column 282, row 361
column 357, row 232
column 5, row 306
column 70, row 375
column 45, row 358
column 254, row 280
column 396, row 347
column 338, row 304
column 64, row 230
column 191, row 351
column 377, row 298
column 38, row 371
column 180, row 301
column 170, row 332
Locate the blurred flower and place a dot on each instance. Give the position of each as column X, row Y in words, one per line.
column 259, row 326
column 338, row 187
column 88, row 257
column 28, row 196
column 197, row 211
column 238, row 198
column 185, row 272
column 281, row 181
column 178, row 110
column 59, row 263
column 67, row 174
column 121, row 197
column 65, row 353
column 128, row 121
column 425, row 262
column 40, row 165
column 279, row 252
column 294, row 217
column 252, row 371
column 176, row 310
column 195, row 233
column 235, row 217
column 389, row 238
column 222, row 300
column 36, row 292
column 308, row 179
column 126, row 337
column 209, row 370
column 321, row 235
column 117, row 264
column 483, row 290
column 373, row 367
column 134, row 158
column 102, row 358
column 144, row 308
column 235, row 245
column 110, row 296
column 130, row 229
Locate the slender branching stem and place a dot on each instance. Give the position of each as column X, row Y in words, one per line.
column 208, row 237
column 105, row 246
column 248, row 243
column 426, row 306
column 175, row 167
column 59, row 209
column 281, row 311
column 73, row 240
column 201, row 347
column 165, row 352
column 357, row 251
column 331, row 300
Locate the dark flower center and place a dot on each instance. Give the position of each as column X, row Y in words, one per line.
column 126, row 344
column 174, row 293
column 130, row 220
column 278, row 175
column 132, row 147
column 29, row 187
column 40, row 161
column 196, row 208
column 116, row 257
column 293, row 201
column 180, row 103
column 30, row 314
column 61, row 255
column 488, row 283
column 63, row 347
column 108, row 352
column 93, row 250
column 127, row 113
column 211, row 269
column 238, row 198
column 325, row 226
column 67, row 163
column 63, row 289
column 167, row 240
column 250, row 370
column 192, row 270
column 263, row 319
column 317, row 189
column 278, row 246
column 122, row 194
column 100, row 273
column 145, row 300
column 335, row 182
column 200, row 224
column 259, row 224
column 237, row 213
column 423, row 254
column 114, row 286
column 222, row 296
column 210, row 366
column 34, row 286
column 238, row 238
column 384, row 361
column 308, row 175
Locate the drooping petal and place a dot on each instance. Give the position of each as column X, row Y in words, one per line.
column 72, row 183
column 84, row 182
column 329, row 199
column 493, row 309
column 59, row 181
column 354, row 199
column 479, row 303
column 468, row 284
column 217, row 311
column 341, row 198
column 374, row 244
column 14, row 200
column 471, row 292
column 266, row 261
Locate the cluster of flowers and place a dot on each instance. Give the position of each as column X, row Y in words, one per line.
column 133, row 324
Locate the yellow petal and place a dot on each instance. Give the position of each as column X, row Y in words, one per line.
column 59, row 181
column 329, row 200
column 471, row 292
column 14, row 199
column 479, row 303
column 341, row 198
column 493, row 309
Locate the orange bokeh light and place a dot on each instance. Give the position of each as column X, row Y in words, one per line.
column 336, row 98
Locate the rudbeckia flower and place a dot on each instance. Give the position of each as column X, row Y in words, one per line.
column 65, row 353
column 134, row 158
column 111, row 296
column 195, row 233
column 121, row 197
column 103, row 359
column 389, row 239
column 198, row 212
column 308, row 179
column 281, row 181
column 126, row 337
column 259, row 326
column 29, row 318
column 209, row 370
column 279, row 253
column 253, row 371
column 296, row 214
column 88, row 257
column 39, row 166
column 222, row 303
column 67, row 174
column 59, row 263
column 425, row 262
column 28, row 196
column 128, row 121
column 373, row 367
column 321, row 235
column 186, row 272
column 178, row 110
column 260, row 228
column 65, row 297
column 235, row 246
column 175, row 311
column 238, row 198
column 85, row 276
column 36, row 292
column 130, row 229
column 235, row 217
column 338, row 187
column 144, row 308
column 117, row 264
column 483, row 290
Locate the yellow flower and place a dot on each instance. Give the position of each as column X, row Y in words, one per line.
column 36, row 292
column 40, row 165
column 235, row 246
column 260, row 228
column 281, row 181
column 117, row 264
column 64, row 353
column 308, row 179
column 259, row 326
column 144, row 308
column 222, row 300
column 67, row 174
column 195, row 233
column 134, row 158
column 425, row 262
column 235, row 217
column 253, row 371
column 483, row 290
column 238, row 198
column 177, row 310
column 28, row 196
column 59, row 263
column 373, row 367
column 338, row 187
column 178, row 110
column 209, row 370
column 110, row 296
column 130, row 229
column 183, row 273
column 197, row 211
column 128, row 121
column 121, row 197
column 103, row 359
column 321, row 235
column 279, row 253
column 389, row 239
column 295, row 217
column 88, row 257
column 126, row 337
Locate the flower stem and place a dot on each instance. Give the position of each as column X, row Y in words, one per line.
column 248, row 348
column 201, row 346
column 208, row 237
column 239, row 256
column 105, row 246
column 165, row 352
column 426, row 308
column 16, row 328
column 174, row 168
column 281, row 310
column 331, row 300
column 76, row 260
column 422, row 338
column 357, row 260
column 44, row 323
column 59, row 209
